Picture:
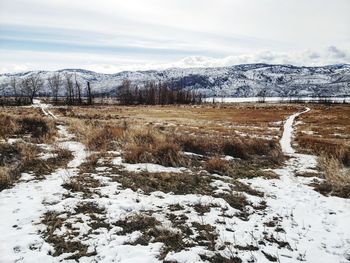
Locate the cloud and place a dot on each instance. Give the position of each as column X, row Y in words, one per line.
column 113, row 64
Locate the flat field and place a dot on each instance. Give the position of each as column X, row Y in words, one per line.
column 204, row 183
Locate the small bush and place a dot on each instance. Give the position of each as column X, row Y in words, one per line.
column 337, row 179
column 217, row 165
column 236, row 200
column 8, row 125
column 166, row 182
column 329, row 148
column 39, row 128
column 163, row 153
column 197, row 144
column 235, row 148
column 5, row 179
column 102, row 138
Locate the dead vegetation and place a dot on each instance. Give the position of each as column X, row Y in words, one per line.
column 326, row 132
column 23, row 157
column 177, row 183
column 174, row 239
column 336, row 178
column 5, row 178
column 27, row 128
column 34, row 128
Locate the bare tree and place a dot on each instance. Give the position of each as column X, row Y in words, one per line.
column 262, row 96
column 31, row 85
column 55, row 83
column 125, row 93
column 89, row 93
column 68, row 83
column 13, row 85
column 77, row 89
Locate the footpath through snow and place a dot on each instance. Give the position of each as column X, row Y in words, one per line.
column 22, row 206
column 316, row 227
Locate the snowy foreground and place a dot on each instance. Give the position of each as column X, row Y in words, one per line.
column 314, row 228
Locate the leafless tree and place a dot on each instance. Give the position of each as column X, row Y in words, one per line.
column 55, row 83
column 77, row 89
column 31, row 85
column 89, row 93
column 69, row 88
column 125, row 93
column 14, row 86
column 262, row 96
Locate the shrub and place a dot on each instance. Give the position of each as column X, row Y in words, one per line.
column 153, row 147
column 101, row 138
column 5, row 179
column 8, row 125
column 163, row 153
column 34, row 125
column 217, row 165
column 235, row 148
column 197, row 144
column 337, row 179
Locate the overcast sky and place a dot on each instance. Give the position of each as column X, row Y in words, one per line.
column 114, row 35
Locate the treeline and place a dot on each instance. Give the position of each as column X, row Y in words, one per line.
column 24, row 90
column 155, row 94
column 67, row 89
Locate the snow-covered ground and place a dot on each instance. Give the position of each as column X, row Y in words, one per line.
column 22, row 206
column 306, row 225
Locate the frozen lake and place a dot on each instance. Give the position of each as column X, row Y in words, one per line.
column 277, row 99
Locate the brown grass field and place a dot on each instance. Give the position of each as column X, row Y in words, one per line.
column 209, row 142
column 158, row 134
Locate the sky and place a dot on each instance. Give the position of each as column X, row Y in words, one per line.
column 110, row 36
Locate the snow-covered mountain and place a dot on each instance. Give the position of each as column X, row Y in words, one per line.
column 235, row 81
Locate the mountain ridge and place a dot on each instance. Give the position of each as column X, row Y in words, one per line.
column 243, row 80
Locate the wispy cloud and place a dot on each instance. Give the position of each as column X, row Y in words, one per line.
column 114, row 34
column 110, row 64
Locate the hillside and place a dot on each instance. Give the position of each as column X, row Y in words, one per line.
column 236, row 81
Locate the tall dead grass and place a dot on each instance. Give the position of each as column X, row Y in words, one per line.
column 337, row 177
column 37, row 128
column 95, row 135
column 324, row 147
column 151, row 146
column 237, row 147
column 5, row 179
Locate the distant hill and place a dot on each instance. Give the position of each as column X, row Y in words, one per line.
column 236, row 81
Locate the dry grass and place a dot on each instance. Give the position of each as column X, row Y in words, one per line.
column 8, row 125
column 325, row 130
column 95, row 135
column 166, row 182
column 173, row 239
column 164, row 153
column 5, row 179
column 337, row 178
column 24, row 157
column 235, row 146
column 217, row 165
column 35, row 128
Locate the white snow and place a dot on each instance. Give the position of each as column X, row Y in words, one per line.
column 146, row 167
column 316, row 227
column 22, row 206
column 286, row 140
